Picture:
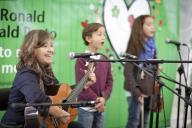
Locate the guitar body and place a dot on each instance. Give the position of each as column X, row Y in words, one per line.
column 63, row 92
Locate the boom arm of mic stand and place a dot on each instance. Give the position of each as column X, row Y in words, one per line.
column 72, row 104
column 187, row 101
column 153, row 61
column 187, row 87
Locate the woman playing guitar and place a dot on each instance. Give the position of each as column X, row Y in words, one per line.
column 33, row 73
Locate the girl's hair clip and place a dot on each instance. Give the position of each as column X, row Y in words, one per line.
column 84, row 23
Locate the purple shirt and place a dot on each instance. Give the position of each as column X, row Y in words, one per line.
column 104, row 80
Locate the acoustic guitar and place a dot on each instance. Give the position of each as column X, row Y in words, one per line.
column 66, row 95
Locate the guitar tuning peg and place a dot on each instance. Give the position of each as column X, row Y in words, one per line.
column 87, row 63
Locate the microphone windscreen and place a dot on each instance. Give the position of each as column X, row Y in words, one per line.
column 167, row 40
column 71, row 55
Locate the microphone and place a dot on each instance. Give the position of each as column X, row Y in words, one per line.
column 73, row 55
column 168, row 41
column 127, row 55
column 84, row 104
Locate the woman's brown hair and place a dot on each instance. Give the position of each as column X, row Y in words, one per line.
column 137, row 37
column 27, row 57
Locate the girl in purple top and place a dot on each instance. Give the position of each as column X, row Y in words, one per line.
column 93, row 117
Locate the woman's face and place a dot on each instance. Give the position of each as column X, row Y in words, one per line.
column 148, row 27
column 45, row 53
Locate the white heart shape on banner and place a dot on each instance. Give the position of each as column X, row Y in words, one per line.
column 116, row 14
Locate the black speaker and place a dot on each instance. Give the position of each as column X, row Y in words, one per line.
column 4, row 97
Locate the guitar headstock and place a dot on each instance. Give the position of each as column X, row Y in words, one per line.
column 90, row 66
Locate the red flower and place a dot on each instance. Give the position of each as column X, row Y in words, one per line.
column 84, row 23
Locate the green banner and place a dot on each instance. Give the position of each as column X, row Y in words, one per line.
column 64, row 20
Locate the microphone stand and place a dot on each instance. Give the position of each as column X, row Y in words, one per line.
column 152, row 61
column 71, row 104
column 171, row 80
column 188, row 101
column 188, row 91
column 151, row 99
column 161, row 84
column 33, row 111
column 158, row 95
column 182, row 71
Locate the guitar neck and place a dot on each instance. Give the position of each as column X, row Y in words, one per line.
column 78, row 88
